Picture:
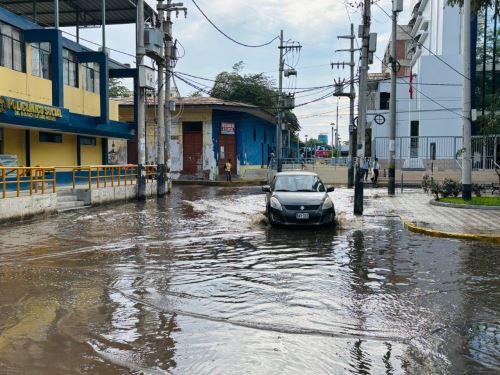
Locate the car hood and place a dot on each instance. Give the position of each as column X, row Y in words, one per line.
column 300, row 198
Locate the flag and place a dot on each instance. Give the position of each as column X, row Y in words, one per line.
column 411, row 83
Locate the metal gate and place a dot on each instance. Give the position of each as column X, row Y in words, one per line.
column 192, row 147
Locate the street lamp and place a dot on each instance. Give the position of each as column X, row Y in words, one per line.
column 306, row 146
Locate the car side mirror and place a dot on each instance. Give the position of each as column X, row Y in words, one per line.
column 266, row 189
column 329, row 189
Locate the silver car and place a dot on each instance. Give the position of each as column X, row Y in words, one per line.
column 299, row 198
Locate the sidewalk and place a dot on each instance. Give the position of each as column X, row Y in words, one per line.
column 418, row 215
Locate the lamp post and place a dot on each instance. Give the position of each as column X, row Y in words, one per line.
column 306, row 146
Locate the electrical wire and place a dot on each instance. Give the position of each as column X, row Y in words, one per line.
column 227, row 36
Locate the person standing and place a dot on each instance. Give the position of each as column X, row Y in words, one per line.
column 376, row 168
column 227, row 168
column 365, row 167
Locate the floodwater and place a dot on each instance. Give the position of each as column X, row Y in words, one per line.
column 198, row 284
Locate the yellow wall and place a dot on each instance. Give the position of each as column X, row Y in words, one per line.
column 35, row 89
column 53, row 154
column 15, row 144
column 92, row 155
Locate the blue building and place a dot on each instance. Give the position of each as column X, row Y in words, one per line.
column 207, row 132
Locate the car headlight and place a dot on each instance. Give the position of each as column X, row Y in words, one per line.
column 275, row 203
column 327, row 204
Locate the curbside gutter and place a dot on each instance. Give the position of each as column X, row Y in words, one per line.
column 443, row 234
column 434, row 202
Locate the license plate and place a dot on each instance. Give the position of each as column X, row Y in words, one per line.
column 302, row 215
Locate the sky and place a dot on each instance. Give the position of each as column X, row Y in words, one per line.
column 314, row 23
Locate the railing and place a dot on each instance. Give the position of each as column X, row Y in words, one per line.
column 37, row 179
column 107, row 175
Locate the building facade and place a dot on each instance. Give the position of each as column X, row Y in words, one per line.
column 54, row 104
column 207, row 132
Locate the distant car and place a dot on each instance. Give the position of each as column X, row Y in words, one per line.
column 322, row 152
column 299, row 198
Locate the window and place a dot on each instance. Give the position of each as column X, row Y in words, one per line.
column 384, row 100
column 414, row 136
column 12, row 52
column 255, row 135
column 91, row 77
column 40, row 60
column 88, row 141
column 50, row 137
column 70, row 68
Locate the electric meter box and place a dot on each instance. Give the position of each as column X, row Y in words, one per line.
column 153, row 40
column 146, row 77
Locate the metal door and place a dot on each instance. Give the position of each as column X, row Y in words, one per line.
column 192, row 146
column 227, row 148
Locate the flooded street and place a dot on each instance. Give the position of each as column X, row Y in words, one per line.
column 198, row 284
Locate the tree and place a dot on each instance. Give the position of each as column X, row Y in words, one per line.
column 117, row 89
column 475, row 4
column 196, row 94
column 490, row 123
column 256, row 89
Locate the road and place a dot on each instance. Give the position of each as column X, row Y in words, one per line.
column 198, row 284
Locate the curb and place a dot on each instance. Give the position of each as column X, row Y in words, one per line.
column 458, row 235
column 433, row 202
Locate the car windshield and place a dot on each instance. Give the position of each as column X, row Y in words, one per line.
column 307, row 183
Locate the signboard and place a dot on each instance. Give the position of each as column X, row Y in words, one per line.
column 227, row 128
column 24, row 108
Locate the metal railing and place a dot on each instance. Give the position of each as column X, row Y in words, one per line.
column 35, row 179
column 109, row 175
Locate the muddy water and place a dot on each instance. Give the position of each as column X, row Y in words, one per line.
column 197, row 284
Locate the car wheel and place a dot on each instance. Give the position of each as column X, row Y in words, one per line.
column 269, row 219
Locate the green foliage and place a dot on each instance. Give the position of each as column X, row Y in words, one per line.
column 490, row 122
column 450, row 187
column 435, row 189
column 196, row 94
column 477, row 189
column 257, row 89
column 480, row 201
column 426, row 183
column 117, row 89
column 475, row 4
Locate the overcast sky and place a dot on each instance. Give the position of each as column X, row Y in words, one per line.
column 314, row 23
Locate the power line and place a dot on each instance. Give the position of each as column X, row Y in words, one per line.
column 227, row 36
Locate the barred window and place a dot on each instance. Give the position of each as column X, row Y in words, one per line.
column 40, row 60
column 70, row 68
column 12, row 51
column 91, row 77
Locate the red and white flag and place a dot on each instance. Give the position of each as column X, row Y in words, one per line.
column 411, row 83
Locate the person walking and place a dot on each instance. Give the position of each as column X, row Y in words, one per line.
column 227, row 168
column 365, row 167
column 376, row 168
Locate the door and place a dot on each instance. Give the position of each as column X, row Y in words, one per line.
column 414, row 139
column 227, row 147
column 192, row 146
column 132, row 152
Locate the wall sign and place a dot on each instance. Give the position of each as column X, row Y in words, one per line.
column 227, row 128
column 24, row 108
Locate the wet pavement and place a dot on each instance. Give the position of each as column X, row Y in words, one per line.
column 198, row 284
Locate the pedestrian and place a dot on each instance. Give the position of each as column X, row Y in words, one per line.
column 365, row 167
column 227, row 168
column 376, row 168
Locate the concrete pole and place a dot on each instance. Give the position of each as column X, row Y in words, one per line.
column 467, row 154
column 352, row 134
column 103, row 16
column 363, row 87
column 280, row 105
column 56, row 14
column 160, row 124
column 391, row 189
column 168, row 114
column 141, row 110
column 337, row 130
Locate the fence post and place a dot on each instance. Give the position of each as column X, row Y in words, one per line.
column 90, row 177
column 98, row 176
column 43, row 180
column 31, row 181
column 4, row 183
column 55, row 181
column 18, row 181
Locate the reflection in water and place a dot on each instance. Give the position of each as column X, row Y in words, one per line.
column 197, row 284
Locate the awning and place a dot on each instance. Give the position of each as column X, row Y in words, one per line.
column 83, row 13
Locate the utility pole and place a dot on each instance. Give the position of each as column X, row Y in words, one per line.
column 467, row 152
column 352, row 97
column 363, row 88
column 337, row 130
column 397, row 6
column 160, row 174
column 141, row 117
column 284, row 101
column 166, row 115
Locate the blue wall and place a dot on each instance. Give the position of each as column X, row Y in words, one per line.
column 249, row 152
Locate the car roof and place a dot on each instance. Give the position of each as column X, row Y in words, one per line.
column 296, row 173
